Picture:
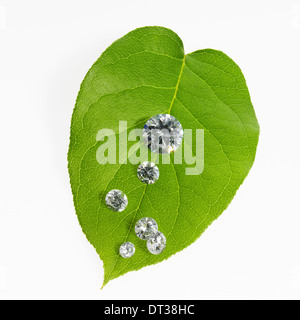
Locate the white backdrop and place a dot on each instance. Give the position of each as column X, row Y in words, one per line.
column 46, row 48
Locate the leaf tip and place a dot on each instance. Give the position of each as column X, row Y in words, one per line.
column 103, row 285
column 105, row 282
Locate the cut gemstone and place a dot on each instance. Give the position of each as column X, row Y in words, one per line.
column 145, row 227
column 156, row 243
column 148, row 172
column 127, row 250
column 163, row 133
column 116, row 200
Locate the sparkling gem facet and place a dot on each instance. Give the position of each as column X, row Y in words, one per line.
column 163, row 133
column 156, row 243
column 127, row 250
column 148, row 172
column 116, row 200
column 145, row 227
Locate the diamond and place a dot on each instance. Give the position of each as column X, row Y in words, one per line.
column 116, row 200
column 156, row 243
column 163, row 133
column 145, row 227
column 148, row 172
column 127, row 250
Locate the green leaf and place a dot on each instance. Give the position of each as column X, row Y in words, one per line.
column 144, row 73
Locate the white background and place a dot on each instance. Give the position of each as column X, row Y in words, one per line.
column 46, row 48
